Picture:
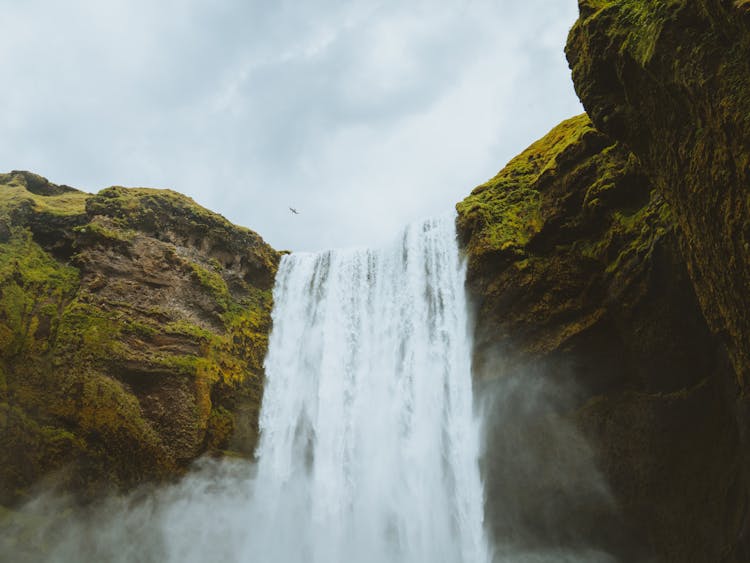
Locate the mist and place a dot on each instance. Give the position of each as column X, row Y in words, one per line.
column 546, row 501
column 378, row 441
column 200, row 518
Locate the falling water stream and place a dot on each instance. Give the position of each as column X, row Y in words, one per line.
column 369, row 444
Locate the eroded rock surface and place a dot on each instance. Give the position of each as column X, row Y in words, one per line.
column 576, row 266
column 133, row 326
column 671, row 80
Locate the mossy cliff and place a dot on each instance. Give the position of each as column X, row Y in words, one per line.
column 564, row 233
column 671, row 80
column 133, row 326
column 576, row 264
column 615, row 254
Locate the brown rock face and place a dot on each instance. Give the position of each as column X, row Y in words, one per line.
column 575, row 262
column 133, row 326
column 671, row 80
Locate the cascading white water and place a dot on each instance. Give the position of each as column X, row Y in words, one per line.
column 369, row 444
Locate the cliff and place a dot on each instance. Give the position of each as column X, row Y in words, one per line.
column 612, row 255
column 133, row 326
column 574, row 260
column 611, row 258
column 671, row 80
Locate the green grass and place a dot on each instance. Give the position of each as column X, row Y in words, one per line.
column 14, row 194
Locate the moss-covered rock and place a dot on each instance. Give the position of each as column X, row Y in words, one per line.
column 133, row 325
column 671, row 80
column 574, row 260
column 564, row 243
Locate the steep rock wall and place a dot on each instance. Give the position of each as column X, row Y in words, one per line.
column 575, row 262
column 671, row 81
column 133, row 326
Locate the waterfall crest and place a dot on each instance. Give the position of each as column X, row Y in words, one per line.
column 369, row 444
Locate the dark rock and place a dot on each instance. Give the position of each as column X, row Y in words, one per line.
column 671, row 81
column 133, row 325
column 575, row 263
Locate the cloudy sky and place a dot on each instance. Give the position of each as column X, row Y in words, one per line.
column 363, row 115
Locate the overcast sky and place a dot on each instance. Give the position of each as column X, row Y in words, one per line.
column 363, row 115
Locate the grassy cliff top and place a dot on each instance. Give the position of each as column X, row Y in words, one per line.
column 133, row 327
column 20, row 189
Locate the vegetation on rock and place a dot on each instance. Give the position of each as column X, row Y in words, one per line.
column 133, row 325
column 560, row 238
column 614, row 252
column 575, row 262
column 671, row 81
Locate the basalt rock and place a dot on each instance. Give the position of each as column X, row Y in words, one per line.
column 671, row 81
column 576, row 266
column 133, row 326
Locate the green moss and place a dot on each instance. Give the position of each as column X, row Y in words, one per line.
column 644, row 20
column 31, row 448
column 106, row 407
column 3, row 385
column 14, row 194
column 185, row 328
column 34, row 287
column 219, row 428
column 504, row 213
column 97, row 230
column 87, row 368
column 590, row 230
column 175, row 217
column 671, row 80
column 53, row 346
column 238, row 354
column 213, row 283
column 151, row 208
column 573, row 181
column 140, row 329
column 186, row 364
column 87, row 335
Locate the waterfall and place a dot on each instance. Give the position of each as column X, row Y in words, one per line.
column 369, row 444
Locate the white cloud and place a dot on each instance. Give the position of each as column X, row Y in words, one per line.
column 364, row 115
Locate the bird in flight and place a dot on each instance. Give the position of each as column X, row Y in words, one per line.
column 293, row 210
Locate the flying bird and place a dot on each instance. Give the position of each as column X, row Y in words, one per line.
column 293, row 210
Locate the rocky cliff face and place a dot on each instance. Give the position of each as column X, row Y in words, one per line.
column 671, row 80
column 615, row 255
column 576, row 265
column 133, row 326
